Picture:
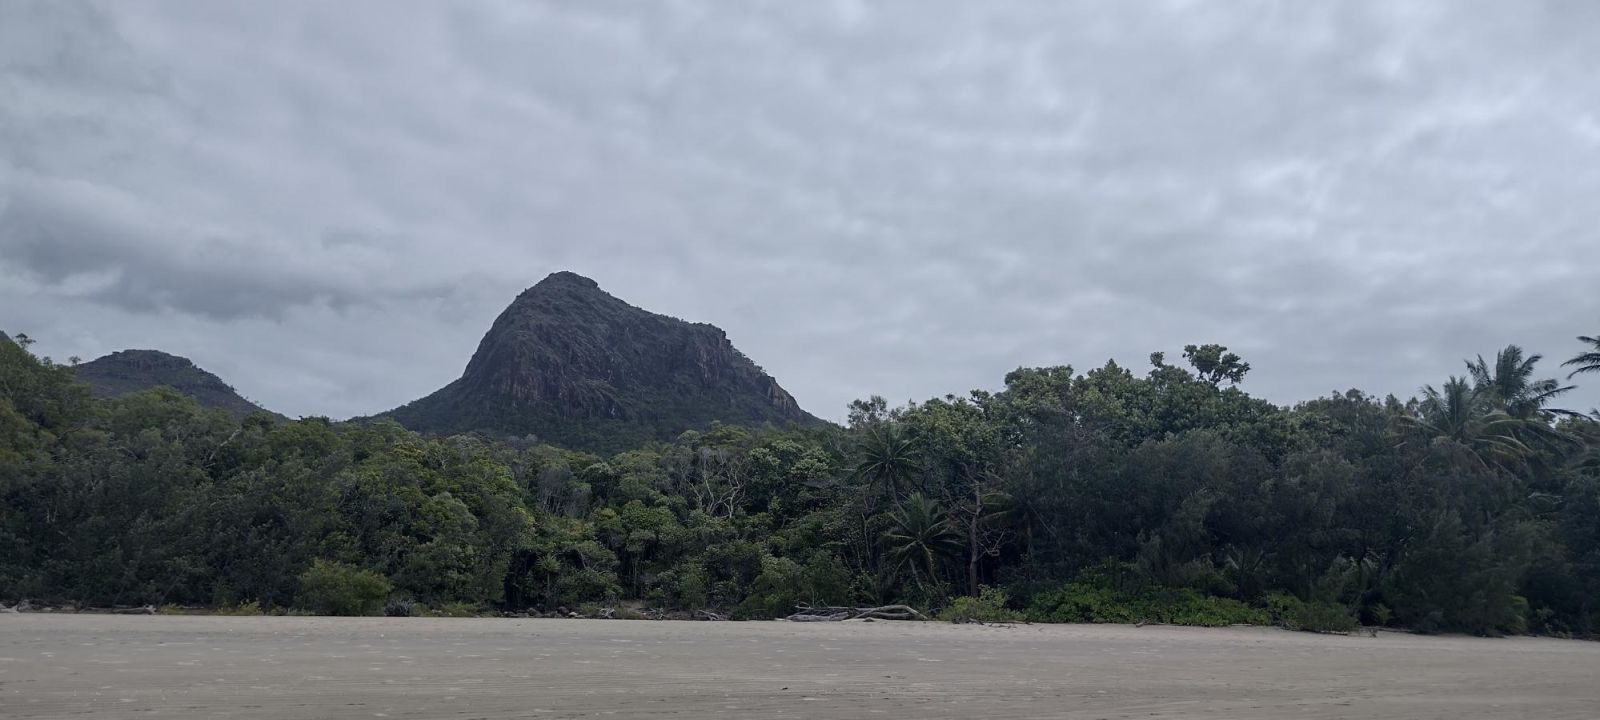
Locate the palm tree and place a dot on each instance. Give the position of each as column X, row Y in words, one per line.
column 1509, row 385
column 888, row 459
column 1588, row 361
column 920, row 536
column 1458, row 419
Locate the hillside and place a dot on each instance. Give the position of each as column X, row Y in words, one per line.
column 570, row 364
column 130, row 371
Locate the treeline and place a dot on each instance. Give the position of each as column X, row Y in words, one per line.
column 1110, row 495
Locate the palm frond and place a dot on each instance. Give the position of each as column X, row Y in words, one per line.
column 1586, row 362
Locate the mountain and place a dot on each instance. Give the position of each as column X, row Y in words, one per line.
column 130, row 371
column 571, row 365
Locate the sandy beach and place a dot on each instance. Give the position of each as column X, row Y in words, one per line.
column 95, row 666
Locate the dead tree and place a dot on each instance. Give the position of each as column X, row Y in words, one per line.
column 830, row 613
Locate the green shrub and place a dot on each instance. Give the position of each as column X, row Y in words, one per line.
column 988, row 606
column 1296, row 614
column 334, row 588
column 458, row 610
column 1092, row 602
column 243, row 609
column 578, row 585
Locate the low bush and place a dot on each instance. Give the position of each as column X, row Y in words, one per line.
column 1090, row 602
column 988, row 606
column 334, row 588
column 250, row 608
column 459, row 610
column 1296, row 614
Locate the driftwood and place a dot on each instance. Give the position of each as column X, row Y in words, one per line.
column 808, row 613
column 708, row 615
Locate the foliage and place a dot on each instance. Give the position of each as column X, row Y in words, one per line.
column 888, row 458
column 1587, row 361
column 1096, row 601
column 458, row 610
column 243, row 609
column 1168, row 495
column 1296, row 614
column 920, row 535
column 1510, row 385
column 334, row 588
column 1214, row 364
column 989, row 606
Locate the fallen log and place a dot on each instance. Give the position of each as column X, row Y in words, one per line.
column 808, row 617
column 808, row 613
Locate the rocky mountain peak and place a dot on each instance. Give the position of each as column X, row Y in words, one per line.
column 571, row 364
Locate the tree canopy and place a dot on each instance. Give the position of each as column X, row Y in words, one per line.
column 1106, row 495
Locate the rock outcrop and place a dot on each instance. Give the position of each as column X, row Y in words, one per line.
column 572, row 365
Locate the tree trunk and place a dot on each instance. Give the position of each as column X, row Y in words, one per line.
column 972, row 540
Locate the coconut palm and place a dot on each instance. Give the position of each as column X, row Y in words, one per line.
column 1588, row 361
column 1457, row 419
column 920, row 536
column 888, row 459
column 1509, row 385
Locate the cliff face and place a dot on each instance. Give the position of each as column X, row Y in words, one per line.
column 130, row 371
column 571, row 365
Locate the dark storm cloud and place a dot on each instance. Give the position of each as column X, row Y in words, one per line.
column 327, row 203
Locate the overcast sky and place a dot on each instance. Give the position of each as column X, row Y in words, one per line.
column 327, row 203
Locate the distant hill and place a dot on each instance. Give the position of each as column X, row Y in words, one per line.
column 571, row 365
column 131, row 371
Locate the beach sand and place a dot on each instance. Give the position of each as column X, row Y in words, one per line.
column 114, row 666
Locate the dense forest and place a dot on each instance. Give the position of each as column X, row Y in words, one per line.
column 1168, row 495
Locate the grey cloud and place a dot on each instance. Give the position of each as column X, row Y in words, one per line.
column 96, row 243
column 905, row 198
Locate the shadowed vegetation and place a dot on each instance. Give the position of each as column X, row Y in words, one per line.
column 1103, row 496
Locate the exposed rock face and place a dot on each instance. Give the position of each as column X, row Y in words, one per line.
column 130, row 371
column 572, row 365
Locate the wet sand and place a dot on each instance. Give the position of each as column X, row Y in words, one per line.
column 96, row 666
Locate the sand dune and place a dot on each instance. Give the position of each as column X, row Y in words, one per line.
column 87, row 666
